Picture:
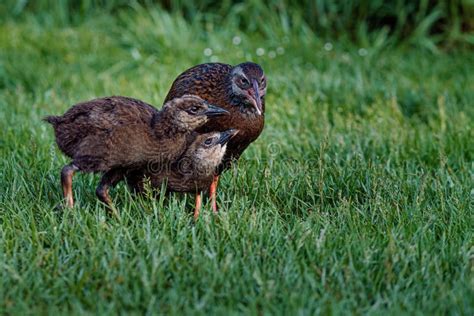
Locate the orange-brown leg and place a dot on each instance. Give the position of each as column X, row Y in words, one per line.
column 197, row 208
column 66, row 182
column 213, row 193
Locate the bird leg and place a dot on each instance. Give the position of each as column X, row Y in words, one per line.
column 197, row 208
column 110, row 178
column 102, row 192
column 66, row 182
column 213, row 193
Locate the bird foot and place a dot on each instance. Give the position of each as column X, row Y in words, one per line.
column 215, row 208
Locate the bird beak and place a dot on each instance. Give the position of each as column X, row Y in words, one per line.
column 256, row 97
column 215, row 111
column 227, row 135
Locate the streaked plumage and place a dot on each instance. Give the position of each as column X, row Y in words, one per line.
column 115, row 134
column 213, row 83
column 193, row 172
column 238, row 89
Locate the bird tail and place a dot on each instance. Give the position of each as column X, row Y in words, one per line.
column 52, row 119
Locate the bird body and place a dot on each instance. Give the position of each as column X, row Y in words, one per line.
column 193, row 171
column 214, row 83
column 240, row 90
column 115, row 134
column 112, row 132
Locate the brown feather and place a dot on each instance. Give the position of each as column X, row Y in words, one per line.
column 212, row 82
column 192, row 172
column 121, row 132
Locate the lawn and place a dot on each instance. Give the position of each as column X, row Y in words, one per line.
column 357, row 197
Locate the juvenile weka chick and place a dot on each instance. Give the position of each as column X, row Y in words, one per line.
column 115, row 134
column 240, row 90
column 193, row 172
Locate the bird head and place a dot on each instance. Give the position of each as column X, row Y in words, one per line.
column 190, row 112
column 249, row 85
column 207, row 151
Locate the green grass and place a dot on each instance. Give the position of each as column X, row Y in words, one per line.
column 358, row 196
column 423, row 23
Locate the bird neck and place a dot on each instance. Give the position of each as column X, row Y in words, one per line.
column 164, row 125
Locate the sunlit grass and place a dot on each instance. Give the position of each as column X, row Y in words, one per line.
column 357, row 196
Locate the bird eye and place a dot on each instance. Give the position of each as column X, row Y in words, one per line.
column 244, row 81
column 194, row 109
column 208, row 141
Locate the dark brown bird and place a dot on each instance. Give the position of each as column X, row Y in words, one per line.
column 193, row 172
column 240, row 90
column 115, row 134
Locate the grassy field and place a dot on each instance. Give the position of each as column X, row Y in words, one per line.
column 357, row 197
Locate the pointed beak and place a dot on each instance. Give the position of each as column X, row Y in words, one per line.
column 258, row 103
column 215, row 111
column 227, row 135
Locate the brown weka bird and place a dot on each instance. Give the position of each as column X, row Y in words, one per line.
column 238, row 89
column 193, row 172
column 115, row 134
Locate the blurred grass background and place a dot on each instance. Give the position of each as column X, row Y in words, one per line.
column 356, row 198
column 426, row 23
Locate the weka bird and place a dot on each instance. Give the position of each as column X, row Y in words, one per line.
column 193, row 172
column 115, row 134
column 240, row 90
